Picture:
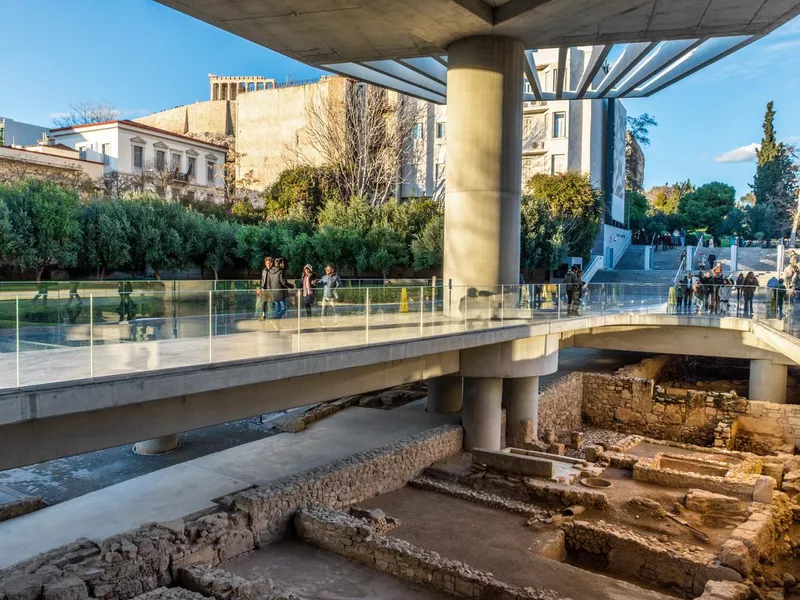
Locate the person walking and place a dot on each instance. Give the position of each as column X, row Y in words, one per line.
column 308, row 289
column 683, row 236
column 571, row 286
column 780, row 294
column 331, row 283
column 687, row 293
column 724, row 297
column 712, row 258
column 263, row 291
column 739, row 285
column 279, row 286
column 679, row 296
column 750, row 285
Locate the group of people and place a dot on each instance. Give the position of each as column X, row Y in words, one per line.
column 273, row 291
column 712, row 292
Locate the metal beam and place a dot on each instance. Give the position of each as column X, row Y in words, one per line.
column 428, row 67
column 562, row 67
column 668, row 54
column 403, row 73
column 514, row 8
column 682, row 74
column 532, row 74
column 367, row 75
column 596, row 60
column 629, row 58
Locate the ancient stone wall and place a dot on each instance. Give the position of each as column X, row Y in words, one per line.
column 212, row 117
column 560, row 404
column 354, row 538
column 650, row 368
column 701, row 417
column 126, row 565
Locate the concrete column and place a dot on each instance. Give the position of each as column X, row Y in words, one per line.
column 521, row 402
column 480, row 415
column 767, row 381
column 159, row 445
column 484, row 164
column 734, row 257
column 444, row 394
column 781, row 258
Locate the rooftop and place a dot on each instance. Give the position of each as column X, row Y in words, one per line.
column 135, row 125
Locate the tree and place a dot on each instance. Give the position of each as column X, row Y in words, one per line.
column 427, row 248
column 775, row 181
column 300, row 192
column 636, row 208
column 639, row 128
column 666, row 198
column 708, row 205
column 362, row 135
column 218, row 244
column 84, row 113
column 155, row 233
column 106, row 238
column 44, row 219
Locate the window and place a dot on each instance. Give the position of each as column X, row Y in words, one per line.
column 161, row 160
column 441, row 130
column 105, row 149
column 191, row 167
column 175, row 162
column 82, row 152
column 555, row 79
column 558, row 164
column 559, row 125
column 210, row 172
column 526, row 87
column 439, row 172
column 417, row 131
column 138, row 157
column 259, row 86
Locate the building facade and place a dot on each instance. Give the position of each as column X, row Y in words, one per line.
column 149, row 158
column 558, row 136
column 50, row 161
column 17, row 133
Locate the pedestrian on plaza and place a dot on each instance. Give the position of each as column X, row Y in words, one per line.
column 739, row 285
column 750, row 285
column 264, row 296
column 279, row 286
column 308, row 288
column 724, row 294
column 701, row 261
column 683, row 236
column 687, row 293
column 572, row 287
column 331, row 283
column 712, row 258
column 698, row 292
column 780, row 296
column 679, row 292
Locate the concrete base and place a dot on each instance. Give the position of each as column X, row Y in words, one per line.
column 521, row 402
column 159, row 445
column 444, row 394
column 481, row 413
column 767, row 381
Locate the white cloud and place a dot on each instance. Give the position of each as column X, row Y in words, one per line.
column 739, row 155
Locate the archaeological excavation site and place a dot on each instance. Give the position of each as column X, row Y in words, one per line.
column 654, row 481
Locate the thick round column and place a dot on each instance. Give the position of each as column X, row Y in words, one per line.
column 158, row 445
column 480, row 415
column 767, row 381
column 522, row 402
column 484, row 163
column 444, row 394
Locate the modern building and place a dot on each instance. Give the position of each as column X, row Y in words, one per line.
column 151, row 158
column 557, row 136
column 17, row 133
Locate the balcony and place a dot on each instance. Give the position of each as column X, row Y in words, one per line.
column 534, row 106
column 179, row 177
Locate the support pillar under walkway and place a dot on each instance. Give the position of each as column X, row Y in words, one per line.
column 767, row 381
column 521, row 399
column 484, row 165
column 481, row 414
column 159, row 445
column 444, row 394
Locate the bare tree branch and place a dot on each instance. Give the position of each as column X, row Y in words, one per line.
column 84, row 113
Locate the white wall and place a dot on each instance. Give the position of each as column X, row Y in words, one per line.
column 120, row 152
column 22, row 134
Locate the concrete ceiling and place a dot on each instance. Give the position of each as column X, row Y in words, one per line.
column 320, row 32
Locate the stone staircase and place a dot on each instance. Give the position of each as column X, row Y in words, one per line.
column 630, row 268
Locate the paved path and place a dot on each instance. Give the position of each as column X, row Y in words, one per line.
column 186, row 488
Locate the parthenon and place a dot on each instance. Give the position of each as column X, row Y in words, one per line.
column 226, row 88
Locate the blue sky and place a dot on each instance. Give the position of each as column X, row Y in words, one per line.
column 142, row 57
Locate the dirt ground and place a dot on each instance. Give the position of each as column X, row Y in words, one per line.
column 319, row 575
column 497, row 542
